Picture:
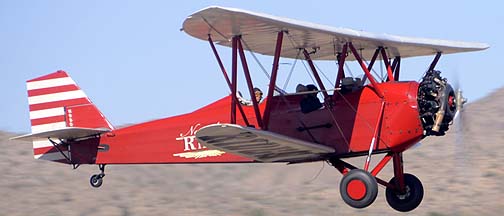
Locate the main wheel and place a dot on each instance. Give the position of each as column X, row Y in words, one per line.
column 358, row 188
column 409, row 200
column 96, row 180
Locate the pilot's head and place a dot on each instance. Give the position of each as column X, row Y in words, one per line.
column 258, row 94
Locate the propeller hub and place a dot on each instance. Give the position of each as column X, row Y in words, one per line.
column 459, row 99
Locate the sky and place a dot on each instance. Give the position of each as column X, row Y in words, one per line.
column 135, row 64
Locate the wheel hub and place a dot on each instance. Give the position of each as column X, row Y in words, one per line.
column 406, row 194
column 356, row 189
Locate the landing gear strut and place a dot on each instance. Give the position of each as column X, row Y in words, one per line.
column 96, row 180
column 359, row 187
column 410, row 198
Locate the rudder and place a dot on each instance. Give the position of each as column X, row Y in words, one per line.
column 56, row 102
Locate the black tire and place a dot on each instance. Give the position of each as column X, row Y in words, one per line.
column 96, row 180
column 367, row 188
column 408, row 201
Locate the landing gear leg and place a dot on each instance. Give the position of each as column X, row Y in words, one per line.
column 410, row 198
column 96, row 180
column 405, row 191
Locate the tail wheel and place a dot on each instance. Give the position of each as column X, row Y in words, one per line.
column 358, row 188
column 410, row 199
column 96, row 180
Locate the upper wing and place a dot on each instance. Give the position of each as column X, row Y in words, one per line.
column 259, row 145
column 259, row 32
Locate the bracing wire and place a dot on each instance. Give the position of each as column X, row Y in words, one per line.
column 318, row 174
column 291, row 70
column 372, row 69
column 337, row 125
column 308, row 72
column 365, row 121
column 348, row 69
column 299, row 51
column 381, row 71
column 257, row 60
column 213, row 28
column 323, row 74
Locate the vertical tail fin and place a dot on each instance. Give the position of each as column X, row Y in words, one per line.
column 56, row 102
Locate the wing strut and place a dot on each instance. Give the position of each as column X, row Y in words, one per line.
column 56, row 145
column 315, row 74
column 341, row 68
column 396, row 66
column 435, row 61
column 371, row 63
column 387, row 64
column 234, row 79
column 249, row 83
column 271, row 87
column 237, row 49
column 364, row 68
column 375, row 138
column 224, row 72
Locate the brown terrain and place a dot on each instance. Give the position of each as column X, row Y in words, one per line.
column 461, row 176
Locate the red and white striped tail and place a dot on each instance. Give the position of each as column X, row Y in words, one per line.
column 56, row 102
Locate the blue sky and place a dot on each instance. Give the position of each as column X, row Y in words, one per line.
column 133, row 62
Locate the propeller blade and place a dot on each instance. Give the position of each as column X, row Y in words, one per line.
column 461, row 156
column 459, row 98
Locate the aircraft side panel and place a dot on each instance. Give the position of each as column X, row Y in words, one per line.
column 401, row 127
column 348, row 126
column 170, row 140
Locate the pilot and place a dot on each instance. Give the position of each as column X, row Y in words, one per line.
column 258, row 96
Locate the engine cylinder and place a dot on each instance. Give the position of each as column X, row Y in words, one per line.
column 436, row 103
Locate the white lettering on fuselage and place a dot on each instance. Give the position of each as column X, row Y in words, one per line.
column 189, row 138
column 192, row 148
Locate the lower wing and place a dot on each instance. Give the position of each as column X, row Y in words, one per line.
column 260, row 145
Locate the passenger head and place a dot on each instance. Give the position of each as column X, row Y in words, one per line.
column 301, row 88
column 311, row 87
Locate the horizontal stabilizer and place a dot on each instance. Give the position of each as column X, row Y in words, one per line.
column 259, row 145
column 64, row 133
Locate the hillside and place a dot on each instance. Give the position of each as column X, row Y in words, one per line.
column 459, row 179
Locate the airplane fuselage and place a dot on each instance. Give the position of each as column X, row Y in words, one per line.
column 347, row 125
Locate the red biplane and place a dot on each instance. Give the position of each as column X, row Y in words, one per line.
column 354, row 116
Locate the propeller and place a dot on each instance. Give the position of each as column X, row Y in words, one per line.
column 459, row 101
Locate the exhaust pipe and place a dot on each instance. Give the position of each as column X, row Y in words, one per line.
column 441, row 112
